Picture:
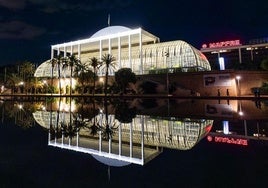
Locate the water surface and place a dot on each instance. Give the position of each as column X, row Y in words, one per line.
column 81, row 142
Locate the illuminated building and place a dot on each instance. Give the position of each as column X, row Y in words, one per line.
column 235, row 52
column 136, row 142
column 132, row 48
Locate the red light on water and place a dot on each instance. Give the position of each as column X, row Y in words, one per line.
column 227, row 140
column 209, row 138
column 208, row 128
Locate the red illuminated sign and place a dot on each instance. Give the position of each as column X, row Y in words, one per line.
column 228, row 140
column 222, row 44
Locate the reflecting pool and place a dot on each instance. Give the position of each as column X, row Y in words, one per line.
column 137, row 142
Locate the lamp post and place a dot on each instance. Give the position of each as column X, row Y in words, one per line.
column 240, row 111
column 167, row 68
column 238, row 85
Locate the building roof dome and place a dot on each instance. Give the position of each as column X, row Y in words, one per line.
column 110, row 30
column 111, row 162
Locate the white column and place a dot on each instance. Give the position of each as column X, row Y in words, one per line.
column 100, row 49
column 110, row 144
column 120, row 139
column 58, row 51
column 109, row 41
column 130, row 141
column 49, row 136
column 64, row 50
column 50, row 126
column 52, row 54
column 119, row 52
column 141, row 60
column 61, row 138
column 110, row 52
column 142, row 138
column 72, row 50
column 100, row 140
column 129, row 52
column 79, row 51
column 77, row 139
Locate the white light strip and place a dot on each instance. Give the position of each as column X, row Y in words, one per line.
column 89, row 40
column 98, row 153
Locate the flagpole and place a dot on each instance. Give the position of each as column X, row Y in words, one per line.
column 108, row 20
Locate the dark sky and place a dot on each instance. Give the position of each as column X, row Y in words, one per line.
column 29, row 27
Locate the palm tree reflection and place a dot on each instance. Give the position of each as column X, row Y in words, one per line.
column 112, row 130
column 95, row 126
column 110, row 126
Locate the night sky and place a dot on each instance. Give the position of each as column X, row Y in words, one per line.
column 29, row 27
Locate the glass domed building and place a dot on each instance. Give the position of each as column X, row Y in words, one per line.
column 132, row 48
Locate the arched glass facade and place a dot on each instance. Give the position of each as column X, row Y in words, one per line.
column 136, row 142
column 172, row 55
column 132, row 48
column 182, row 134
column 45, row 70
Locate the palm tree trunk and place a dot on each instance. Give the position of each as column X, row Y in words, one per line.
column 94, row 82
column 59, row 78
column 52, row 80
column 71, row 81
column 106, row 80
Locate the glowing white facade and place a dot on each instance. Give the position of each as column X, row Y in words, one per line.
column 137, row 142
column 132, row 48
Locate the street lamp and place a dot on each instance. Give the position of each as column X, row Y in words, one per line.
column 21, row 86
column 240, row 112
column 167, row 69
column 238, row 84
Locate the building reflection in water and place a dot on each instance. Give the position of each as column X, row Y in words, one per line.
column 118, row 143
column 122, row 131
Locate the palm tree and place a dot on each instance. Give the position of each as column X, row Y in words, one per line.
column 95, row 127
column 53, row 63
column 59, row 61
column 12, row 81
column 95, row 63
column 109, row 61
column 80, row 72
column 26, row 72
column 72, row 62
column 65, row 65
column 109, row 128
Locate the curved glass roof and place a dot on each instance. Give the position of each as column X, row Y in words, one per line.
column 173, row 54
column 45, row 70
